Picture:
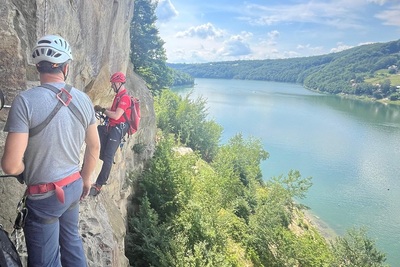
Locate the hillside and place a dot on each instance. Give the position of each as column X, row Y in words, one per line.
column 356, row 71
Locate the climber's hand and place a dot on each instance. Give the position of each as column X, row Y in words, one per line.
column 98, row 108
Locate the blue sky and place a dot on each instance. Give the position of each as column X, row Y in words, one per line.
column 198, row 31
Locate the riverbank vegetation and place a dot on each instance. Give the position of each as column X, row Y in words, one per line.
column 211, row 206
column 369, row 70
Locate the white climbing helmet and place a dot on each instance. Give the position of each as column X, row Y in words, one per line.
column 51, row 48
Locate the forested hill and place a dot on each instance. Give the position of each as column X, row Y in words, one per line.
column 370, row 70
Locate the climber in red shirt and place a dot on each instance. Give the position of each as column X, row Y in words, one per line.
column 114, row 130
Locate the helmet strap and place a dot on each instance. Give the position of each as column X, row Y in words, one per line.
column 66, row 72
column 119, row 87
column 116, row 90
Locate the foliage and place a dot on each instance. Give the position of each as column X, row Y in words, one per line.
column 294, row 185
column 187, row 120
column 356, row 249
column 192, row 213
column 342, row 72
column 138, row 148
column 147, row 52
column 243, row 158
column 145, row 239
column 181, row 78
column 166, row 181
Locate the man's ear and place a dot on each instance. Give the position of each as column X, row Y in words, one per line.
column 66, row 68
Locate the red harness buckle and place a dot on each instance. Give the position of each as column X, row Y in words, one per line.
column 66, row 101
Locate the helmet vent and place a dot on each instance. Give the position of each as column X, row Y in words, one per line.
column 44, row 42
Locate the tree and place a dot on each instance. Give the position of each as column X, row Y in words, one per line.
column 246, row 158
column 187, row 120
column 145, row 237
column 356, row 249
column 385, row 87
column 147, row 52
column 167, row 180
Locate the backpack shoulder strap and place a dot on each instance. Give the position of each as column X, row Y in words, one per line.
column 126, row 118
column 62, row 101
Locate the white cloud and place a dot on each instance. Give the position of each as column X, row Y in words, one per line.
column 235, row 46
column 340, row 47
column 210, row 30
column 273, row 34
column 379, row 2
column 165, row 11
column 340, row 13
column 309, row 48
column 203, row 31
column 390, row 16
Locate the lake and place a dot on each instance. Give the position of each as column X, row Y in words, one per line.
column 350, row 148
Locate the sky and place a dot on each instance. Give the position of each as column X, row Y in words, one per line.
column 198, row 31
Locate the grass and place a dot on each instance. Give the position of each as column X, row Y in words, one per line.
column 381, row 75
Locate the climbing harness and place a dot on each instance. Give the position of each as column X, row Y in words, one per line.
column 121, row 127
column 64, row 98
column 56, row 186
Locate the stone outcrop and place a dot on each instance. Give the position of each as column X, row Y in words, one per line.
column 98, row 32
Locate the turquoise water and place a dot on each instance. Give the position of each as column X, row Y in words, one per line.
column 350, row 148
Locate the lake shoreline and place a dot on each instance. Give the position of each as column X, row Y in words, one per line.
column 323, row 228
column 385, row 101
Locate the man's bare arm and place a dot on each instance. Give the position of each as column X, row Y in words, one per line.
column 14, row 150
column 114, row 114
column 90, row 158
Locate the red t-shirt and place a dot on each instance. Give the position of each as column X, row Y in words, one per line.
column 121, row 100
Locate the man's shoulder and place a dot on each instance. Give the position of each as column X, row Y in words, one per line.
column 124, row 101
column 126, row 97
column 79, row 93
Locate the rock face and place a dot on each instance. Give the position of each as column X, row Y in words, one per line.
column 98, row 32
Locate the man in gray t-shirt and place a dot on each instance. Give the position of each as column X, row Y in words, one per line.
column 49, row 161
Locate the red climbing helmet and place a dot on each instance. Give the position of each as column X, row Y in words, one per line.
column 118, row 77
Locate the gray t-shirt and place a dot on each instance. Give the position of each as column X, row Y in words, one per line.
column 53, row 153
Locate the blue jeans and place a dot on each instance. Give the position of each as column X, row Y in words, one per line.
column 51, row 230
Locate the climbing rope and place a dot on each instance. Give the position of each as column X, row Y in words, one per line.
column 45, row 17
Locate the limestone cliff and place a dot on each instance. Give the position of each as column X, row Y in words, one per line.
column 98, row 32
